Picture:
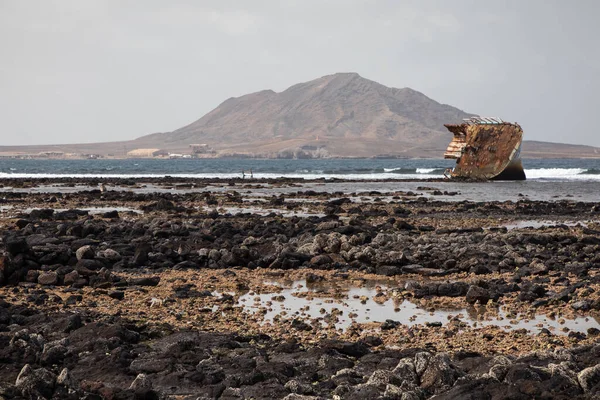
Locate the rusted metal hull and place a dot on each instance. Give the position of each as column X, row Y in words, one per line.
column 486, row 148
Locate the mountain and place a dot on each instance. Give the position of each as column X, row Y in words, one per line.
column 339, row 115
column 342, row 114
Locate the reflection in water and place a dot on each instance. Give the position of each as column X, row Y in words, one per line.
column 337, row 306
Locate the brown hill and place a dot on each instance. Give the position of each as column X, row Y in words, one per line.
column 342, row 114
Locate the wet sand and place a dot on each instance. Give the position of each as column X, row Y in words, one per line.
column 283, row 288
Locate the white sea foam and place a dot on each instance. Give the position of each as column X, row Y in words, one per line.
column 560, row 174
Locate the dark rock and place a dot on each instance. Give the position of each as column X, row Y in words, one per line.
column 141, row 254
column 314, row 278
column 390, row 324
column 74, row 322
column 576, row 335
column 85, row 264
column 44, row 213
column 477, row 294
column 583, row 305
column 146, row 281
column 521, row 372
column 357, row 349
column 73, row 299
column 71, row 278
column 111, row 214
column 109, row 255
column 22, row 223
column 589, row 379
column 420, row 270
column 439, row 374
column 33, row 383
column 301, row 325
column 53, row 354
column 373, row 341
column 401, row 211
column 85, row 252
column 16, row 245
column 388, row 270
column 404, row 226
column 117, row 294
column 453, row 289
column 145, row 365
column 32, row 275
column 321, row 259
column 189, row 291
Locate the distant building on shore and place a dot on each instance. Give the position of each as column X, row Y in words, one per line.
column 147, row 153
column 202, row 148
column 51, row 154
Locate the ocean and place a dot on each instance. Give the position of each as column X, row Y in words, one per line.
column 555, row 170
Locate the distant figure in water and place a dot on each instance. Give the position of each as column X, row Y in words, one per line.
column 243, row 174
column 251, row 175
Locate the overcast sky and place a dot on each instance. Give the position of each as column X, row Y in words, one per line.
column 104, row 70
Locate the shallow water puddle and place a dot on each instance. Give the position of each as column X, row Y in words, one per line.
column 534, row 224
column 363, row 305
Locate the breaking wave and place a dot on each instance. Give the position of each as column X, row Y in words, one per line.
column 562, row 173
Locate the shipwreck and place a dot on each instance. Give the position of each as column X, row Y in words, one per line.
column 486, row 148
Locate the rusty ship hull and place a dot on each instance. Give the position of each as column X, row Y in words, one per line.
column 486, row 149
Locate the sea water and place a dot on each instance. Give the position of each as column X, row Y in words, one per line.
column 556, row 170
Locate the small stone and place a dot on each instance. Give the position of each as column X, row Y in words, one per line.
column 146, row 281
column 117, row 294
column 65, row 378
column 71, row 277
column 141, row 382
column 405, row 370
column 389, row 324
column 85, row 253
column 477, row 294
column 593, row 331
column 300, row 325
column 32, row 275
column 53, row 354
column 109, row 255
column 583, row 305
column 48, row 278
column 111, row 214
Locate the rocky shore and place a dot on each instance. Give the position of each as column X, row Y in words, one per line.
column 216, row 290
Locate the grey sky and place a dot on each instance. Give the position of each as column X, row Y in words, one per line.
column 92, row 70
